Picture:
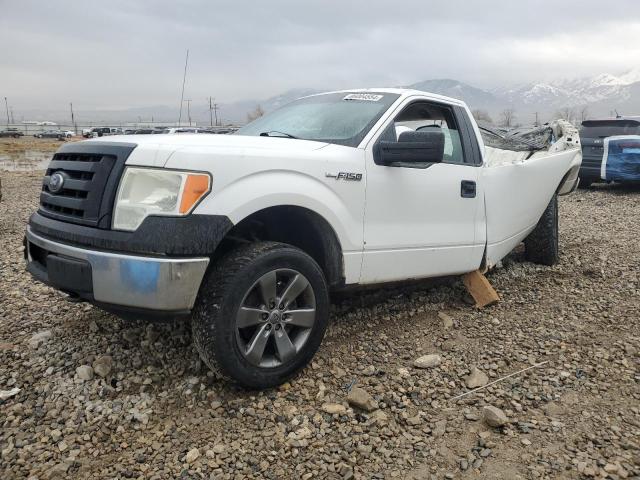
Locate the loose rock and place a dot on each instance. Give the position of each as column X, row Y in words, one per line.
column 476, row 378
column 428, row 361
column 40, row 338
column 447, row 321
column 494, row 417
column 102, row 365
column 334, row 408
column 192, row 455
column 84, row 372
column 361, row 399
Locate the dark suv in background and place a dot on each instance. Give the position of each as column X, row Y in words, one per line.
column 592, row 135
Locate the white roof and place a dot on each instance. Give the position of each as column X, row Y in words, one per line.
column 403, row 92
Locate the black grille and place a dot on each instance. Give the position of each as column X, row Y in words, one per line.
column 90, row 177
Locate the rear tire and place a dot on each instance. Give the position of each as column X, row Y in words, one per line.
column 541, row 246
column 261, row 314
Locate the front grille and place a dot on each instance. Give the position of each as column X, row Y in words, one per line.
column 90, row 177
column 85, row 177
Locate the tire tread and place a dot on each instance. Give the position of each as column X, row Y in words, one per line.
column 541, row 246
column 219, row 282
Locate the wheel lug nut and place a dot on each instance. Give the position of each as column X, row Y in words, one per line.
column 278, row 326
column 268, row 327
column 282, row 306
column 265, row 316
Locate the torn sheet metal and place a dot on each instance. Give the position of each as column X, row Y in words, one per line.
column 621, row 160
column 530, row 139
column 517, row 146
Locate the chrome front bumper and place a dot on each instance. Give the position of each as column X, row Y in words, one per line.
column 138, row 282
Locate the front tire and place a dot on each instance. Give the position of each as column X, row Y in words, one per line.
column 261, row 314
column 541, row 246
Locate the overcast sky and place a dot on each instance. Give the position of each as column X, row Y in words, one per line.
column 124, row 53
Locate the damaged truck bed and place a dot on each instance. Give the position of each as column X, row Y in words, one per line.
column 522, row 168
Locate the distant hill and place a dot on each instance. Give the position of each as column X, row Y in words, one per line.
column 601, row 94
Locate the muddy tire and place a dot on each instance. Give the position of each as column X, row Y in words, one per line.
column 261, row 314
column 541, row 246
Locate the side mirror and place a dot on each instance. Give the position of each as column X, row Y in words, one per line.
column 413, row 149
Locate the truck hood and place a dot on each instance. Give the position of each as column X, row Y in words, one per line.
column 155, row 150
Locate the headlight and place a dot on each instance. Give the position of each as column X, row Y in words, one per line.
column 148, row 191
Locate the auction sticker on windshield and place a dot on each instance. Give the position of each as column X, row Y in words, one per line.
column 367, row 97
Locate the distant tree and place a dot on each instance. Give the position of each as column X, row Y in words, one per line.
column 257, row 113
column 481, row 116
column 508, row 118
column 567, row 113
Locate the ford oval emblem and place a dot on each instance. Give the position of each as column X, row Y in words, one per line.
column 56, row 182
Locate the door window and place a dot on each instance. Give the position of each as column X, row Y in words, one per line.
column 424, row 117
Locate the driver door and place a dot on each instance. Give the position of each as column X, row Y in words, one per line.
column 423, row 220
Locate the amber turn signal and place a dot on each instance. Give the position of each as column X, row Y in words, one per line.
column 196, row 186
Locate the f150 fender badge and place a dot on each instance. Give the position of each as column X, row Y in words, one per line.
column 350, row 176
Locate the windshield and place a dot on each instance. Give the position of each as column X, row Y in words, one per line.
column 341, row 118
column 609, row 128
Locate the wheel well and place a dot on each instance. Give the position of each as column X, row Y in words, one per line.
column 295, row 226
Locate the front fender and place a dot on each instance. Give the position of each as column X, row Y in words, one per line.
column 259, row 190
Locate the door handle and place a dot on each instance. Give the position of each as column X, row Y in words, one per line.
column 468, row 189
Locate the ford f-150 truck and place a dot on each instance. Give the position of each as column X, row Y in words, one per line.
column 248, row 233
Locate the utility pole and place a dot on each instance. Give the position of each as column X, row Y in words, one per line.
column 73, row 121
column 12, row 119
column 188, row 110
column 6, row 104
column 537, row 123
column 184, row 79
column 213, row 110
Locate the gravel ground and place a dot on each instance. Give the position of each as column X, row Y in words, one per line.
column 104, row 398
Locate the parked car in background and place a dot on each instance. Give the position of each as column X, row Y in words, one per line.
column 223, row 131
column 11, row 132
column 105, row 131
column 592, row 137
column 621, row 159
column 86, row 132
column 147, row 131
column 173, row 130
column 68, row 133
column 51, row 134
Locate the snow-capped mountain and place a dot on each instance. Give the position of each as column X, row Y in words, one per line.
column 477, row 97
column 602, row 94
column 600, row 91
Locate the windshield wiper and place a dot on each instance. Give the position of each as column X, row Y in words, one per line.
column 281, row 134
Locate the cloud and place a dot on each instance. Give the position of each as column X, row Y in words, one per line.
column 120, row 53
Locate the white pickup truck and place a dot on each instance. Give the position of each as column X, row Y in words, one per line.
column 248, row 233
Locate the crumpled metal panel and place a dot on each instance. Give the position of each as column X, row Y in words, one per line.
column 621, row 160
